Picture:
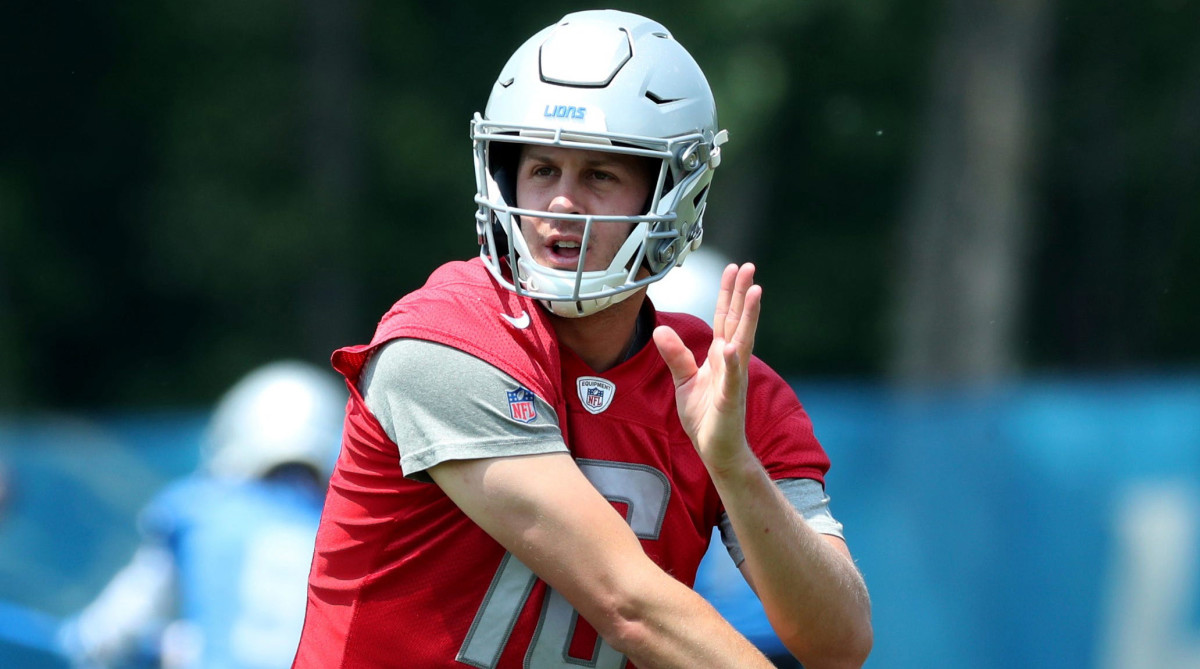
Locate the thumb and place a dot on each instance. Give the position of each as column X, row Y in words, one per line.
column 678, row 357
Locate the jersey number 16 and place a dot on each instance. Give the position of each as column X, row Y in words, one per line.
column 645, row 491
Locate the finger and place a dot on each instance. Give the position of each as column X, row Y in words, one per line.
column 733, row 384
column 743, row 280
column 728, row 277
column 678, row 357
column 747, row 328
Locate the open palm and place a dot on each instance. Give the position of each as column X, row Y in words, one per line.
column 711, row 397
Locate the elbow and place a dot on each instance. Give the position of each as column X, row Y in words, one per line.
column 848, row 650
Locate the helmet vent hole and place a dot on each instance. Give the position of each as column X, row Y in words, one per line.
column 507, row 82
column 659, row 100
column 699, row 197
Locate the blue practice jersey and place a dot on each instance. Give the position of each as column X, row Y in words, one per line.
column 242, row 553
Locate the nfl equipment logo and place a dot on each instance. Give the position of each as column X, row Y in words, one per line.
column 595, row 393
column 521, row 406
column 595, row 398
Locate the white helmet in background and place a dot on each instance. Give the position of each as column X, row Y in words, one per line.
column 605, row 81
column 283, row 413
column 693, row 287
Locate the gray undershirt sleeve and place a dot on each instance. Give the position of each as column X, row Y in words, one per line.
column 808, row 497
column 438, row 404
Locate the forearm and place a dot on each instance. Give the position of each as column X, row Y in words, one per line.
column 640, row 610
column 545, row 512
column 811, row 591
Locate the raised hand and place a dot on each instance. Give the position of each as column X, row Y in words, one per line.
column 711, row 397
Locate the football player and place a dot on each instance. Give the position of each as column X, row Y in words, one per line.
column 220, row 576
column 526, row 480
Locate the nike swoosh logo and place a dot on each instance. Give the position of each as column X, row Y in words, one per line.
column 520, row 322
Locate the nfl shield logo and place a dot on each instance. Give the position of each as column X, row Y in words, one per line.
column 595, row 393
column 595, row 397
column 521, row 406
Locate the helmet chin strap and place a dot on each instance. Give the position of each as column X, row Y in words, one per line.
column 564, row 308
column 582, row 308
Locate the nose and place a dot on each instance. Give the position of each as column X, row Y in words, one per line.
column 566, row 200
column 562, row 204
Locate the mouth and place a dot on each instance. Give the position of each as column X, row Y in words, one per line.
column 563, row 253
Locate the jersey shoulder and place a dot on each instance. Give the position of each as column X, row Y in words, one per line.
column 463, row 307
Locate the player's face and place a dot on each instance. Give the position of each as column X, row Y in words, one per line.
column 578, row 181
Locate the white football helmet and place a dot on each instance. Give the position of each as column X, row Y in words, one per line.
column 606, row 81
column 285, row 412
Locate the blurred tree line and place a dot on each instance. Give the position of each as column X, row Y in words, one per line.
column 932, row 190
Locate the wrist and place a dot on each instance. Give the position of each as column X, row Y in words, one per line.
column 734, row 463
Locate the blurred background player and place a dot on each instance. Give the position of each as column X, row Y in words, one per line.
column 219, row 579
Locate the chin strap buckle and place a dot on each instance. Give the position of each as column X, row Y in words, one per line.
column 714, row 156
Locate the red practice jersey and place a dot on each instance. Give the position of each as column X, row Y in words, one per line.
column 402, row 578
